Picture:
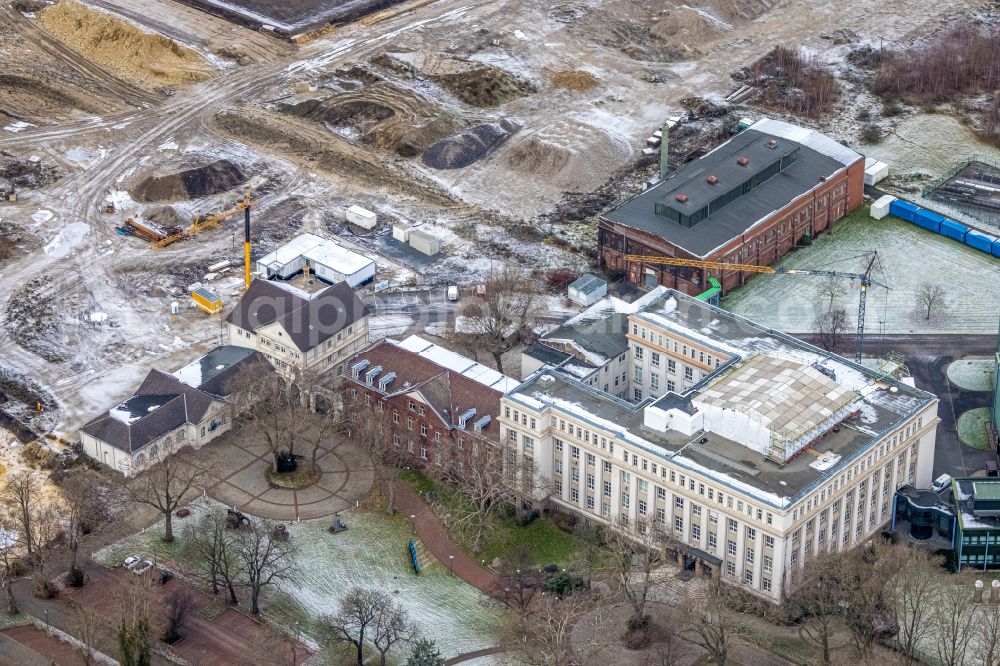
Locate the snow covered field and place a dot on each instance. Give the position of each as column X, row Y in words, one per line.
column 372, row 554
column 910, row 256
column 972, row 374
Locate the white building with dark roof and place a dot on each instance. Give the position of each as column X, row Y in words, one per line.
column 750, row 449
column 168, row 412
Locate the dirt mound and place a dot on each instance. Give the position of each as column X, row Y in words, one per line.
column 533, row 156
column 483, row 85
column 469, row 146
column 214, row 178
column 111, row 42
column 575, row 80
column 690, row 27
column 165, row 217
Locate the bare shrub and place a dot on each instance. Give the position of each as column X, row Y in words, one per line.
column 790, row 81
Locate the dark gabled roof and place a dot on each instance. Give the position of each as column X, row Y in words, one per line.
column 139, row 420
column 544, row 354
column 806, row 173
column 164, row 402
column 308, row 321
column 160, row 383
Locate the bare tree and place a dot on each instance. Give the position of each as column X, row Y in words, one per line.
column 85, row 507
column 952, row 626
column 636, row 551
column 264, row 557
column 868, row 610
column 391, row 628
column 832, row 290
column 46, row 525
column 368, row 429
column 830, row 328
column 86, row 626
column 714, row 623
column 356, row 618
column 11, row 566
column 168, row 483
column 590, row 549
column 913, row 591
column 495, row 321
column 518, row 582
column 212, row 545
column 671, row 649
column 22, row 496
column 479, row 477
column 544, row 640
column 929, row 298
column 818, row 598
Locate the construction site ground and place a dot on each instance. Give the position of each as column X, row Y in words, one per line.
column 470, row 118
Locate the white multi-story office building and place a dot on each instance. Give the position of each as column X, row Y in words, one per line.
column 751, row 449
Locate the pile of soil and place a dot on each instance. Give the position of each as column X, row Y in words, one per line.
column 469, row 146
column 215, row 178
column 16, row 173
column 121, row 46
column 165, row 217
column 483, row 85
column 575, row 80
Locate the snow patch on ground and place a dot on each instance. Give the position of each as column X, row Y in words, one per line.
column 42, row 216
column 18, row 126
column 68, row 238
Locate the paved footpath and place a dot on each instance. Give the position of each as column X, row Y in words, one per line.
column 436, row 540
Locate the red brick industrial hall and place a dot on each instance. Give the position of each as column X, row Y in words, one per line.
column 749, row 201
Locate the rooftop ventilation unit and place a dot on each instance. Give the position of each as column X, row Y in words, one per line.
column 463, row 418
column 482, row 423
column 712, row 180
column 772, row 143
column 358, row 367
column 383, row 383
column 682, row 198
column 372, row 374
column 743, row 161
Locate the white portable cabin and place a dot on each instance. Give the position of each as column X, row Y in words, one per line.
column 424, row 242
column 875, row 171
column 401, row 232
column 880, row 208
column 362, row 217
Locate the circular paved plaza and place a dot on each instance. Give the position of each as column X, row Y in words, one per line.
column 242, row 460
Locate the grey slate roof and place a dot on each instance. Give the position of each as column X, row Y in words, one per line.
column 169, row 413
column 308, row 321
column 587, row 283
column 734, row 219
column 163, row 402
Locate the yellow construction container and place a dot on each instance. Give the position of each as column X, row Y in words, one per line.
column 206, row 301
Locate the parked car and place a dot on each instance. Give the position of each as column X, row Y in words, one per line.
column 142, row 568
column 131, row 561
column 940, row 483
column 166, row 576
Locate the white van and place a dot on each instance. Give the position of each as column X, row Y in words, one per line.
column 940, row 483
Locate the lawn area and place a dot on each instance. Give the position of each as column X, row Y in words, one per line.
column 972, row 374
column 372, row 553
column 547, row 543
column 972, row 428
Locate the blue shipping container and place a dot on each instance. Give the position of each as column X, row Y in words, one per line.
column 928, row 219
column 996, row 248
column 953, row 229
column 980, row 241
column 903, row 209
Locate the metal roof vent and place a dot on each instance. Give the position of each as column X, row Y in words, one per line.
column 712, row 180
column 682, row 198
column 743, row 160
column 771, row 143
